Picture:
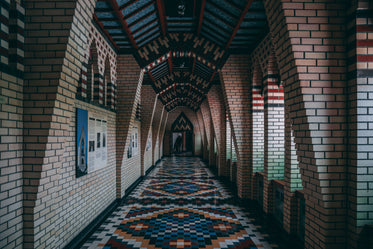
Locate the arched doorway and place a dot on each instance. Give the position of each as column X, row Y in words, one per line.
column 181, row 140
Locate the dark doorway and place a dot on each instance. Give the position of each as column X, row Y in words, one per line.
column 181, row 140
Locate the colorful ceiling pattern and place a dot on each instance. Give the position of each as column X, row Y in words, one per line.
column 182, row 41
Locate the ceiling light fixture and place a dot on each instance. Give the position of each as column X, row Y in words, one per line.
column 181, row 8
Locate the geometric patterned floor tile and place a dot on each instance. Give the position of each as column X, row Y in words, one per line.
column 179, row 205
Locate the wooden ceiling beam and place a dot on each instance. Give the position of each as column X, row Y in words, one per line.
column 126, row 5
column 203, row 5
column 123, row 22
column 170, row 67
column 138, row 10
column 162, row 16
column 194, row 64
column 243, row 14
column 224, row 11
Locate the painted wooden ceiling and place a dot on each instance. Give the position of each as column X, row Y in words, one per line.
column 182, row 44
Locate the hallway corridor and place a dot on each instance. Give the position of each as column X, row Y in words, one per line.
column 179, row 205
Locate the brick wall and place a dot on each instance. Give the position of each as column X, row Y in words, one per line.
column 236, row 88
column 203, row 135
column 129, row 89
column 56, row 44
column 209, row 130
column 11, row 125
column 308, row 39
column 162, row 131
column 157, row 119
column 218, row 115
column 274, row 130
column 148, row 101
column 360, row 74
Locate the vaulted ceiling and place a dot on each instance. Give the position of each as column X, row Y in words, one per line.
column 182, row 43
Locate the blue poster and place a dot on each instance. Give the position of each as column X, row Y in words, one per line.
column 81, row 142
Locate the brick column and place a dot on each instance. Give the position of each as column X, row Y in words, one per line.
column 148, row 101
column 292, row 178
column 12, row 127
column 157, row 119
column 311, row 52
column 162, row 131
column 360, row 88
column 228, row 143
column 258, row 122
column 215, row 99
column 236, row 90
column 203, row 134
column 274, row 131
column 209, row 129
column 129, row 87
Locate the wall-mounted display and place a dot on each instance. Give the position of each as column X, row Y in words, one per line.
column 97, row 158
column 91, row 143
column 82, row 142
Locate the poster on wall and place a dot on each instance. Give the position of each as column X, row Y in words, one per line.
column 91, row 137
column 97, row 154
column 149, row 142
column 82, row 142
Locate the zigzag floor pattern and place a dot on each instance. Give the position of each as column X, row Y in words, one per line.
column 179, row 205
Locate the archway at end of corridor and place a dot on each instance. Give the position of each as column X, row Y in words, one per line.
column 181, row 140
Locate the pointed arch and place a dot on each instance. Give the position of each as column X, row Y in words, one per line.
column 182, row 123
column 108, row 93
column 92, row 74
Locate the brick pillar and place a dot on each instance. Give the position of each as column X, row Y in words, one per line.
column 109, row 90
column 50, row 89
column 258, row 122
column 162, row 132
column 98, row 86
column 111, row 93
column 157, row 119
column 16, row 36
column 312, row 60
column 209, row 129
column 215, row 99
column 236, row 90
column 11, row 119
column 360, row 88
column 229, row 146
column 292, row 178
column 148, row 101
column 82, row 85
column 129, row 87
column 274, row 131
column 203, row 134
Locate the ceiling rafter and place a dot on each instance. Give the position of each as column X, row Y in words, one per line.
column 220, row 18
column 126, row 5
column 169, row 59
column 151, row 76
column 203, row 5
column 141, row 19
column 129, row 15
column 223, row 10
column 124, row 24
column 95, row 18
column 143, row 27
column 194, row 64
column 162, row 16
column 233, row 5
column 145, row 34
column 243, row 14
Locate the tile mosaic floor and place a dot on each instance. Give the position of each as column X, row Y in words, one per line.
column 179, row 205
